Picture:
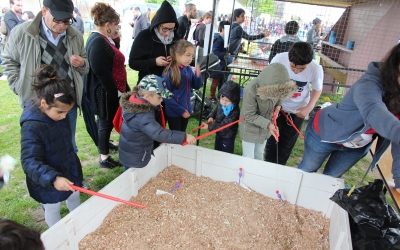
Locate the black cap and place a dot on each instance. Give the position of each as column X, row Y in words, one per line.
column 60, row 9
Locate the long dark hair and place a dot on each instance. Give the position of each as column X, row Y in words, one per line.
column 50, row 88
column 179, row 48
column 390, row 80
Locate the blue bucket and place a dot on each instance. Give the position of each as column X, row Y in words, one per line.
column 333, row 34
column 241, row 92
column 350, row 45
column 332, row 40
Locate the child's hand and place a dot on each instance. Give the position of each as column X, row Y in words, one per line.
column 63, row 184
column 190, row 139
column 210, row 120
column 197, row 70
column 186, row 114
column 274, row 131
column 204, row 126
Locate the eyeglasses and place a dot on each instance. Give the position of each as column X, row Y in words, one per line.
column 68, row 21
column 164, row 29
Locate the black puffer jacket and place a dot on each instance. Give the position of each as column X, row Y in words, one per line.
column 231, row 90
column 139, row 130
column 147, row 46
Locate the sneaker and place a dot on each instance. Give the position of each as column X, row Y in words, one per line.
column 112, row 146
column 109, row 163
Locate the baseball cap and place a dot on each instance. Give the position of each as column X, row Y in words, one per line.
column 60, row 9
column 156, row 84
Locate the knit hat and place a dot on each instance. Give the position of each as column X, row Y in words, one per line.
column 156, row 84
column 317, row 20
column 165, row 14
column 274, row 83
column 60, row 9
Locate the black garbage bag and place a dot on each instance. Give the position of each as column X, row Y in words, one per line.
column 374, row 224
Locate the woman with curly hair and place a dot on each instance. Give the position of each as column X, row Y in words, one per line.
column 344, row 132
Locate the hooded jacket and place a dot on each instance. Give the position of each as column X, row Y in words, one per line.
column 47, row 152
column 139, row 130
column 360, row 109
column 22, row 56
column 283, row 45
column 261, row 95
column 231, row 90
column 147, row 46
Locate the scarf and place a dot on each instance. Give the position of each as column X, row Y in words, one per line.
column 165, row 40
column 227, row 110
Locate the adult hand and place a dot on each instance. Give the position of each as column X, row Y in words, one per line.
column 204, row 126
column 63, row 184
column 186, row 114
column 303, row 112
column 274, row 131
column 198, row 70
column 162, row 61
column 190, row 139
column 76, row 61
column 210, row 120
column 276, row 111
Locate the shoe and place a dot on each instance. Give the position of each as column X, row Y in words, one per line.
column 109, row 163
column 112, row 146
column 213, row 100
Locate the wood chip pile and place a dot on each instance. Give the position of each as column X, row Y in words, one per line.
column 207, row 214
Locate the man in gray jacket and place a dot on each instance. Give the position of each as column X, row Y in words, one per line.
column 140, row 23
column 48, row 39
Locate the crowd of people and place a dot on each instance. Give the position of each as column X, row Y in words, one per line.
column 54, row 74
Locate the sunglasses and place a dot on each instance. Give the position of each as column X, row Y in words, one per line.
column 68, row 21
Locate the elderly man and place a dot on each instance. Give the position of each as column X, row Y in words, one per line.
column 48, row 39
column 184, row 21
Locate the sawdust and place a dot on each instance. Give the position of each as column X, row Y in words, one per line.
column 207, row 214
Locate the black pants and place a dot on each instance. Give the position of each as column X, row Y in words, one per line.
column 105, row 126
column 287, row 139
column 224, row 144
column 177, row 123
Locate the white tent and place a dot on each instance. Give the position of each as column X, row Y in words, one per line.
column 224, row 6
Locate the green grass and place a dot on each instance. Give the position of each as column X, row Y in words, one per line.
column 19, row 206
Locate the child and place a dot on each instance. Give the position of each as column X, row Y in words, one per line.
column 262, row 96
column 14, row 236
column 47, row 154
column 140, row 128
column 227, row 111
column 222, row 53
column 180, row 80
column 303, row 70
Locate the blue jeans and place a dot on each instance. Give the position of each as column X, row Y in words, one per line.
column 341, row 159
column 72, row 115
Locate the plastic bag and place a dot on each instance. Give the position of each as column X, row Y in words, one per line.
column 374, row 224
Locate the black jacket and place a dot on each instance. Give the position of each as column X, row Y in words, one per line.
column 147, row 46
column 184, row 27
column 235, row 39
column 47, row 152
column 231, row 90
column 219, row 50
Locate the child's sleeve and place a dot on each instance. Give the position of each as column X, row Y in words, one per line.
column 233, row 116
column 249, row 110
column 197, row 82
column 154, row 130
column 32, row 157
column 213, row 113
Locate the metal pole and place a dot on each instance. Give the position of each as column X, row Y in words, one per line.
column 207, row 65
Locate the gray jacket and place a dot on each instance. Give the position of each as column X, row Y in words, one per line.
column 360, row 109
column 140, row 24
column 261, row 95
column 22, row 56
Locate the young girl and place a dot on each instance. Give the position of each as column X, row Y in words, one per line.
column 180, row 80
column 47, row 154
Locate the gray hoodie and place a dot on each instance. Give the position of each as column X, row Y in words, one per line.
column 360, row 109
column 260, row 97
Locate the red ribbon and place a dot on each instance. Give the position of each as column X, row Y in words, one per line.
column 291, row 123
